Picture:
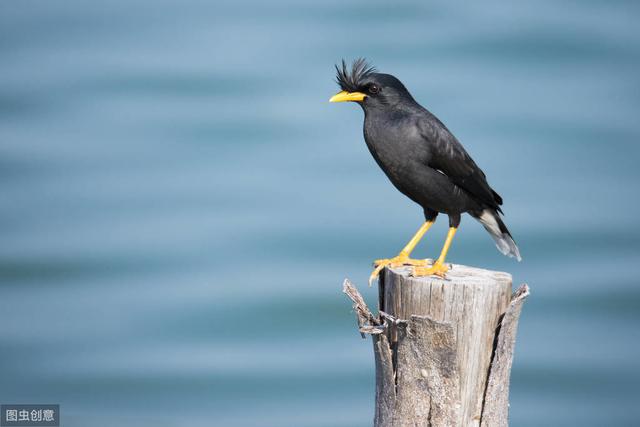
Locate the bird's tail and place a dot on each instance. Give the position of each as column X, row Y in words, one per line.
column 492, row 222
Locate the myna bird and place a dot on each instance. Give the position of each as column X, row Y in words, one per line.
column 424, row 161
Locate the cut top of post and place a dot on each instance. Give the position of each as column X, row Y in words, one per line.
column 472, row 301
column 444, row 299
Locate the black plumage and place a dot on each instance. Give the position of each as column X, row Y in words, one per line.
column 419, row 155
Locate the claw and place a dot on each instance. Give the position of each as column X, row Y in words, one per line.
column 437, row 269
column 396, row 261
column 375, row 273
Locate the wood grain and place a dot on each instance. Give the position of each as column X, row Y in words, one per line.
column 443, row 347
column 496, row 408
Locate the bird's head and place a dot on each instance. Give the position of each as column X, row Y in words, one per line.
column 362, row 84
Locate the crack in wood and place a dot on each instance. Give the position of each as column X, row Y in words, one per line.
column 453, row 371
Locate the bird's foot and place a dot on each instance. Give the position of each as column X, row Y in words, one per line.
column 397, row 261
column 437, row 269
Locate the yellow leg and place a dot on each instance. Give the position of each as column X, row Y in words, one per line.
column 438, row 268
column 403, row 257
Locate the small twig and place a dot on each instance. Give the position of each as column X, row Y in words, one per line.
column 367, row 322
column 393, row 320
column 358, row 302
column 371, row 330
column 520, row 293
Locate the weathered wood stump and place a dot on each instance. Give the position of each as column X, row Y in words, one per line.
column 443, row 347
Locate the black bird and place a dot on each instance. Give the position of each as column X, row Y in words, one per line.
column 423, row 160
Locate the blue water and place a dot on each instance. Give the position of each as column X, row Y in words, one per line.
column 179, row 203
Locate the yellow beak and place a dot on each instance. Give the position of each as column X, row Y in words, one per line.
column 345, row 96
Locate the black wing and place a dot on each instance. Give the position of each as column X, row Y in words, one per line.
column 449, row 156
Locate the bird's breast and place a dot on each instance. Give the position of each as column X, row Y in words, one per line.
column 395, row 145
column 403, row 154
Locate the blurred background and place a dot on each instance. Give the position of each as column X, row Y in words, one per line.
column 179, row 203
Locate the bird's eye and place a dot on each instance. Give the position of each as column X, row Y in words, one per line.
column 373, row 89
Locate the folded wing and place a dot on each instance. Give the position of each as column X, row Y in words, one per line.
column 449, row 157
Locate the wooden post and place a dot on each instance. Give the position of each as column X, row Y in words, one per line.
column 443, row 347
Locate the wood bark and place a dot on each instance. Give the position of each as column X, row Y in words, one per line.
column 443, row 348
